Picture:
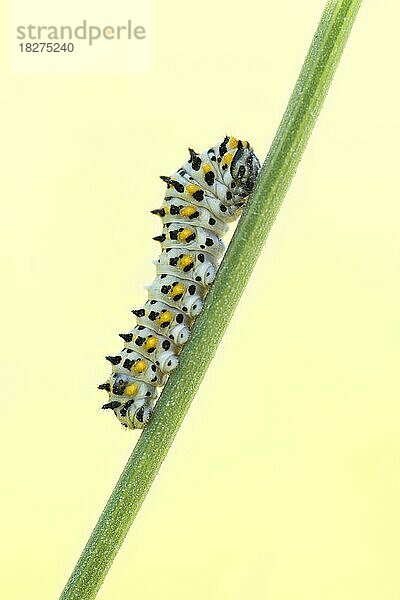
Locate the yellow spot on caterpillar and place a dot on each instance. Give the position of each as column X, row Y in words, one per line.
column 187, row 211
column 206, row 168
column 245, row 144
column 131, row 389
column 150, row 343
column 192, row 188
column 185, row 233
column 227, row 159
column 166, row 208
column 139, row 367
column 165, row 317
column 185, row 261
column 232, row 143
column 178, row 290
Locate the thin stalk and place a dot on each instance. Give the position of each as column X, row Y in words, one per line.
column 277, row 172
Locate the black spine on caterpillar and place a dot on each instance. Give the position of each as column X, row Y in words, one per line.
column 202, row 197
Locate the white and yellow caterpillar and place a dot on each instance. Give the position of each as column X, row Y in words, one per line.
column 202, row 197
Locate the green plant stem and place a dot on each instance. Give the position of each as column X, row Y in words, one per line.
column 277, row 172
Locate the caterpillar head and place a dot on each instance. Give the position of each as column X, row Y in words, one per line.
column 244, row 170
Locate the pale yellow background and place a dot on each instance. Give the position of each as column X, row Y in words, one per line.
column 284, row 480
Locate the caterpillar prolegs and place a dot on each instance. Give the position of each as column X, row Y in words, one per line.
column 202, row 197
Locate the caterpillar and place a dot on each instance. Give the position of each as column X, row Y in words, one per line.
column 201, row 198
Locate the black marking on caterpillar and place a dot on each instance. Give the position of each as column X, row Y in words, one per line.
column 202, row 197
